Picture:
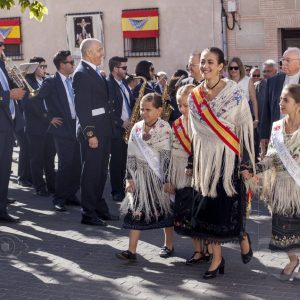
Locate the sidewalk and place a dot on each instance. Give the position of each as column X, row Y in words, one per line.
column 51, row 255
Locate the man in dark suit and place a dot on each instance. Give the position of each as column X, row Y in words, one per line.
column 193, row 67
column 41, row 144
column 59, row 96
column 94, row 112
column 10, row 122
column 123, row 101
column 271, row 112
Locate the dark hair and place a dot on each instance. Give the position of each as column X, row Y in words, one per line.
column 179, row 73
column 218, row 52
column 142, row 69
column 154, row 98
column 173, row 86
column 37, row 59
column 238, row 61
column 116, row 61
column 294, row 91
column 60, row 57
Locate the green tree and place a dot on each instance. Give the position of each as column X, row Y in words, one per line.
column 36, row 9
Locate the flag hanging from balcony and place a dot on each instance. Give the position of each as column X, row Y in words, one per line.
column 11, row 30
column 140, row 23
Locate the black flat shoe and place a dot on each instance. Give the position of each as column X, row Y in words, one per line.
column 247, row 257
column 165, row 252
column 213, row 274
column 59, row 207
column 7, row 218
column 286, row 277
column 126, row 255
column 93, row 222
column 193, row 260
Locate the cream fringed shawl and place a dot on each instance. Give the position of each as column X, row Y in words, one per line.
column 149, row 197
column 178, row 163
column 213, row 159
column 279, row 189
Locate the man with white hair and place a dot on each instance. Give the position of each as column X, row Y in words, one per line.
column 290, row 74
column 162, row 80
column 94, row 130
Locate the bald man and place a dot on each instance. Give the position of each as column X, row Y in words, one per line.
column 95, row 129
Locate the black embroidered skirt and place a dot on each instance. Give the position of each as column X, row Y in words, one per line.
column 220, row 219
column 285, row 233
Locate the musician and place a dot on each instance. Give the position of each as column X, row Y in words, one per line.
column 95, row 129
column 10, row 122
column 195, row 76
column 123, row 101
column 162, row 80
column 59, row 96
column 40, row 142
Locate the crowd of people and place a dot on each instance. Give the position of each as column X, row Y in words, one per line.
column 183, row 153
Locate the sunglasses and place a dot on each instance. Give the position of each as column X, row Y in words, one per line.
column 257, row 76
column 233, row 68
column 72, row 62
column 43, row 67
column 123, row 68
column 1, row 44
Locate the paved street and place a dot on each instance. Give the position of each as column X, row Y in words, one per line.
column 51, row 255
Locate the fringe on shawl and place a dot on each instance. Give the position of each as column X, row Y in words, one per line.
column 149, row 198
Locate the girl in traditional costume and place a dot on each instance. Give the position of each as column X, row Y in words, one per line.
column 280, row 173
column 222, row 140
column 146, row 205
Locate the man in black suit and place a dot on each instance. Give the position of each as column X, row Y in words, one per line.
column 193, row 67
column 41, row 144
column 94, row 112
column 123, row 101
column 271, row 112
column 10, row 122
column 59, row 96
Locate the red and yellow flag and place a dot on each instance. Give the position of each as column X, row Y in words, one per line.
column 10, row 28
column 140, row 23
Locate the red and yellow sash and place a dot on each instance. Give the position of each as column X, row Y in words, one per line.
column 223, row 132
column 182, row 135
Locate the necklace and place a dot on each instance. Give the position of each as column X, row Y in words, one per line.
column 211, row 88
column 147, row 135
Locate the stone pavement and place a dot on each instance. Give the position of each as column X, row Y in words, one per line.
column 51, row 255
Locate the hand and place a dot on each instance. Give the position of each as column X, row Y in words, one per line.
column 130, row 188
column 17, row 93
column 246, row 174
column 263, row 147
column 169, row 188
column 56, row 121
column 93, row 142
column 188, row 172
column 126, row 124
column 255, row 123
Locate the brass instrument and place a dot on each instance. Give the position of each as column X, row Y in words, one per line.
column 135, row 114
column 167, row 107
column 17, row 76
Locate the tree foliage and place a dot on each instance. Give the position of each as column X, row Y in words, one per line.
column 36, row 9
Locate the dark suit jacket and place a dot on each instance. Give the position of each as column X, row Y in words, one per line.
column 92, row 104
column 37, row 118
column 271, row 111
column 7, row 124
column 116, row 97
column 54, row 92
column 148, row 89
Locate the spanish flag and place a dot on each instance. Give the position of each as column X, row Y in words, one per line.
column 140, row 23
column 10, row 28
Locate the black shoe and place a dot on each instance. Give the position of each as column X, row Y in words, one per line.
column 285, row 277
column 126, row 255
column 193, row 260
column 10, row 201
column 59, row 207
column 165, row 252
column 42, row 193
column 95, row 222
column 213, row 274
column 74, row 201
column 24, row 183
column 247, row 257
column 108, row 217
column 9, row 218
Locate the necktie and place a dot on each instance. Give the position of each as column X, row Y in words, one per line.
column 123, row 88
column 71, row 94
column 98, row 71
column 5, row 86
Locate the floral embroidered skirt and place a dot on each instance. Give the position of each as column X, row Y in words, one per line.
column 285, row 233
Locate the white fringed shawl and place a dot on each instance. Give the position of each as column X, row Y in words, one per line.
column 149, row 197
column 212, row 158
column 178, row 163
column 279, row 189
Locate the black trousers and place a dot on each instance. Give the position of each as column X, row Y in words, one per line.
column 117, row 166
column 93, row 176
column 24, row 172
column 6, row 150
column 67, row 181
column 42, row 155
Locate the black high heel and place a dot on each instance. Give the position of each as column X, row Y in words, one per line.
column 193, row 260
column 286, row 277
column 213, row 274
column 247, row 257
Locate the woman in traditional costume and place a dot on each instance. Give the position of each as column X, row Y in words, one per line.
column 280, row 173
column 221, row 128
column 146, row 205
